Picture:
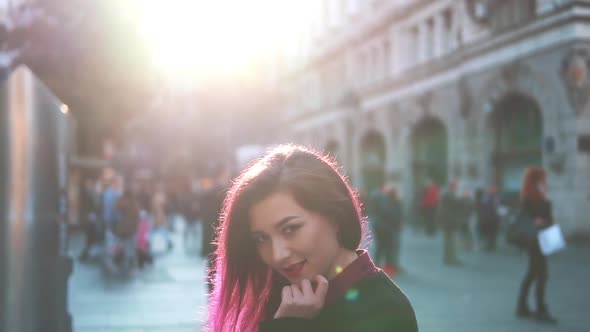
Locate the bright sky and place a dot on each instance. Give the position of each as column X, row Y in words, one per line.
column 220, row 37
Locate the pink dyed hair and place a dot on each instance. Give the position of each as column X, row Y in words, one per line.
column 246, row 291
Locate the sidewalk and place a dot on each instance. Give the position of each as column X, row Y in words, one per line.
column 481, row 294
column 478, row 296
column 167, row 297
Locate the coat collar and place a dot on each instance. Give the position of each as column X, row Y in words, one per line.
column 359, row 269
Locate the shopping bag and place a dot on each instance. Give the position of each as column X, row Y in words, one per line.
column 551, row 240
column 158, row 242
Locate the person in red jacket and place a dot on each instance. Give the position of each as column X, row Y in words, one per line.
column 429, row 206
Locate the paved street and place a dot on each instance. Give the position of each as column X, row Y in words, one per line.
column 479, row 296
column 169, row 296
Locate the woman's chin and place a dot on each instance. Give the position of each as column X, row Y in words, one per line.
column 296, row 280
column 310, row 277
column 293, row 279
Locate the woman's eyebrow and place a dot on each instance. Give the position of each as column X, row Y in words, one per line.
column 278, row 225
column 285, row 220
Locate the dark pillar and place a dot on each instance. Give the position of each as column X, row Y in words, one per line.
column 3, row 189
column 33, row 164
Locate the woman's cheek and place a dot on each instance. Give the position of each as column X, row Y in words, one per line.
column 264, row 254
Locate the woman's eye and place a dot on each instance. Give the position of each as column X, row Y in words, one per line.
column 259, row 239
column 291, row 229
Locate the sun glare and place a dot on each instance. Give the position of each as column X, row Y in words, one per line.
column 219, row 37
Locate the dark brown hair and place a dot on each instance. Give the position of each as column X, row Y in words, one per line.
column 245, row 288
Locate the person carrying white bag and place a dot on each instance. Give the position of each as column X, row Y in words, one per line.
column 536, row 205
column 551, row 240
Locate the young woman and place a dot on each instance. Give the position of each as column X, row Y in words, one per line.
column 536, row 204
column 287, row 254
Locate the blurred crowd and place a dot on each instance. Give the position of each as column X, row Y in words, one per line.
column 128, row 222
column 473, row 218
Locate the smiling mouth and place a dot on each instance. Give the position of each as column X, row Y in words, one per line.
column 294, row 270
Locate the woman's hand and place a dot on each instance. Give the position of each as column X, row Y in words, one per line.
column 301, row 301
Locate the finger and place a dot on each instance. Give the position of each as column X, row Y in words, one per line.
column 297, row 294
column 322, row 286
column 287, row 295
column 306, row 288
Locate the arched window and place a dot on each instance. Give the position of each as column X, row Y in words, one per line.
column 373, row 160
column 429, row 143
column 518, row 131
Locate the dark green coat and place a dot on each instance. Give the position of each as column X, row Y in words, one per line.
column 375, row 304
column 450, row 211
column 386, row 213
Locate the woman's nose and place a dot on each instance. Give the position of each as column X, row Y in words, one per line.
column 280, row 251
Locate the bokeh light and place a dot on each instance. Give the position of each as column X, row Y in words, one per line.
column 352, row 294
column 64, row 109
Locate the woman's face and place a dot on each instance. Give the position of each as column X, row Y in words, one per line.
column 295, row 242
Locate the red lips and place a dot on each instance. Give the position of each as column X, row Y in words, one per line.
column 294, row 270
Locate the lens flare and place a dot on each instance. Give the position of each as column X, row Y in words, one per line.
column 197, row 37
column 352, row 294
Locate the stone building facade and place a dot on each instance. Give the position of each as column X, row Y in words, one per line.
column 475, row 90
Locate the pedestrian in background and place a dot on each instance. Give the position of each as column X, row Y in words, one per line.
column 89, row 209
column 479, row 213
column 159, row 216
column 449, row 217
column 144, row 195
column 536, row 204
column 465, row 212
column 191, row 212
column 111, row 194
column 126, row 228
column 386, row 224
column 110, row 216
column 144, row 255
column 428, row 206
column 288, row 255
column 488, row 218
